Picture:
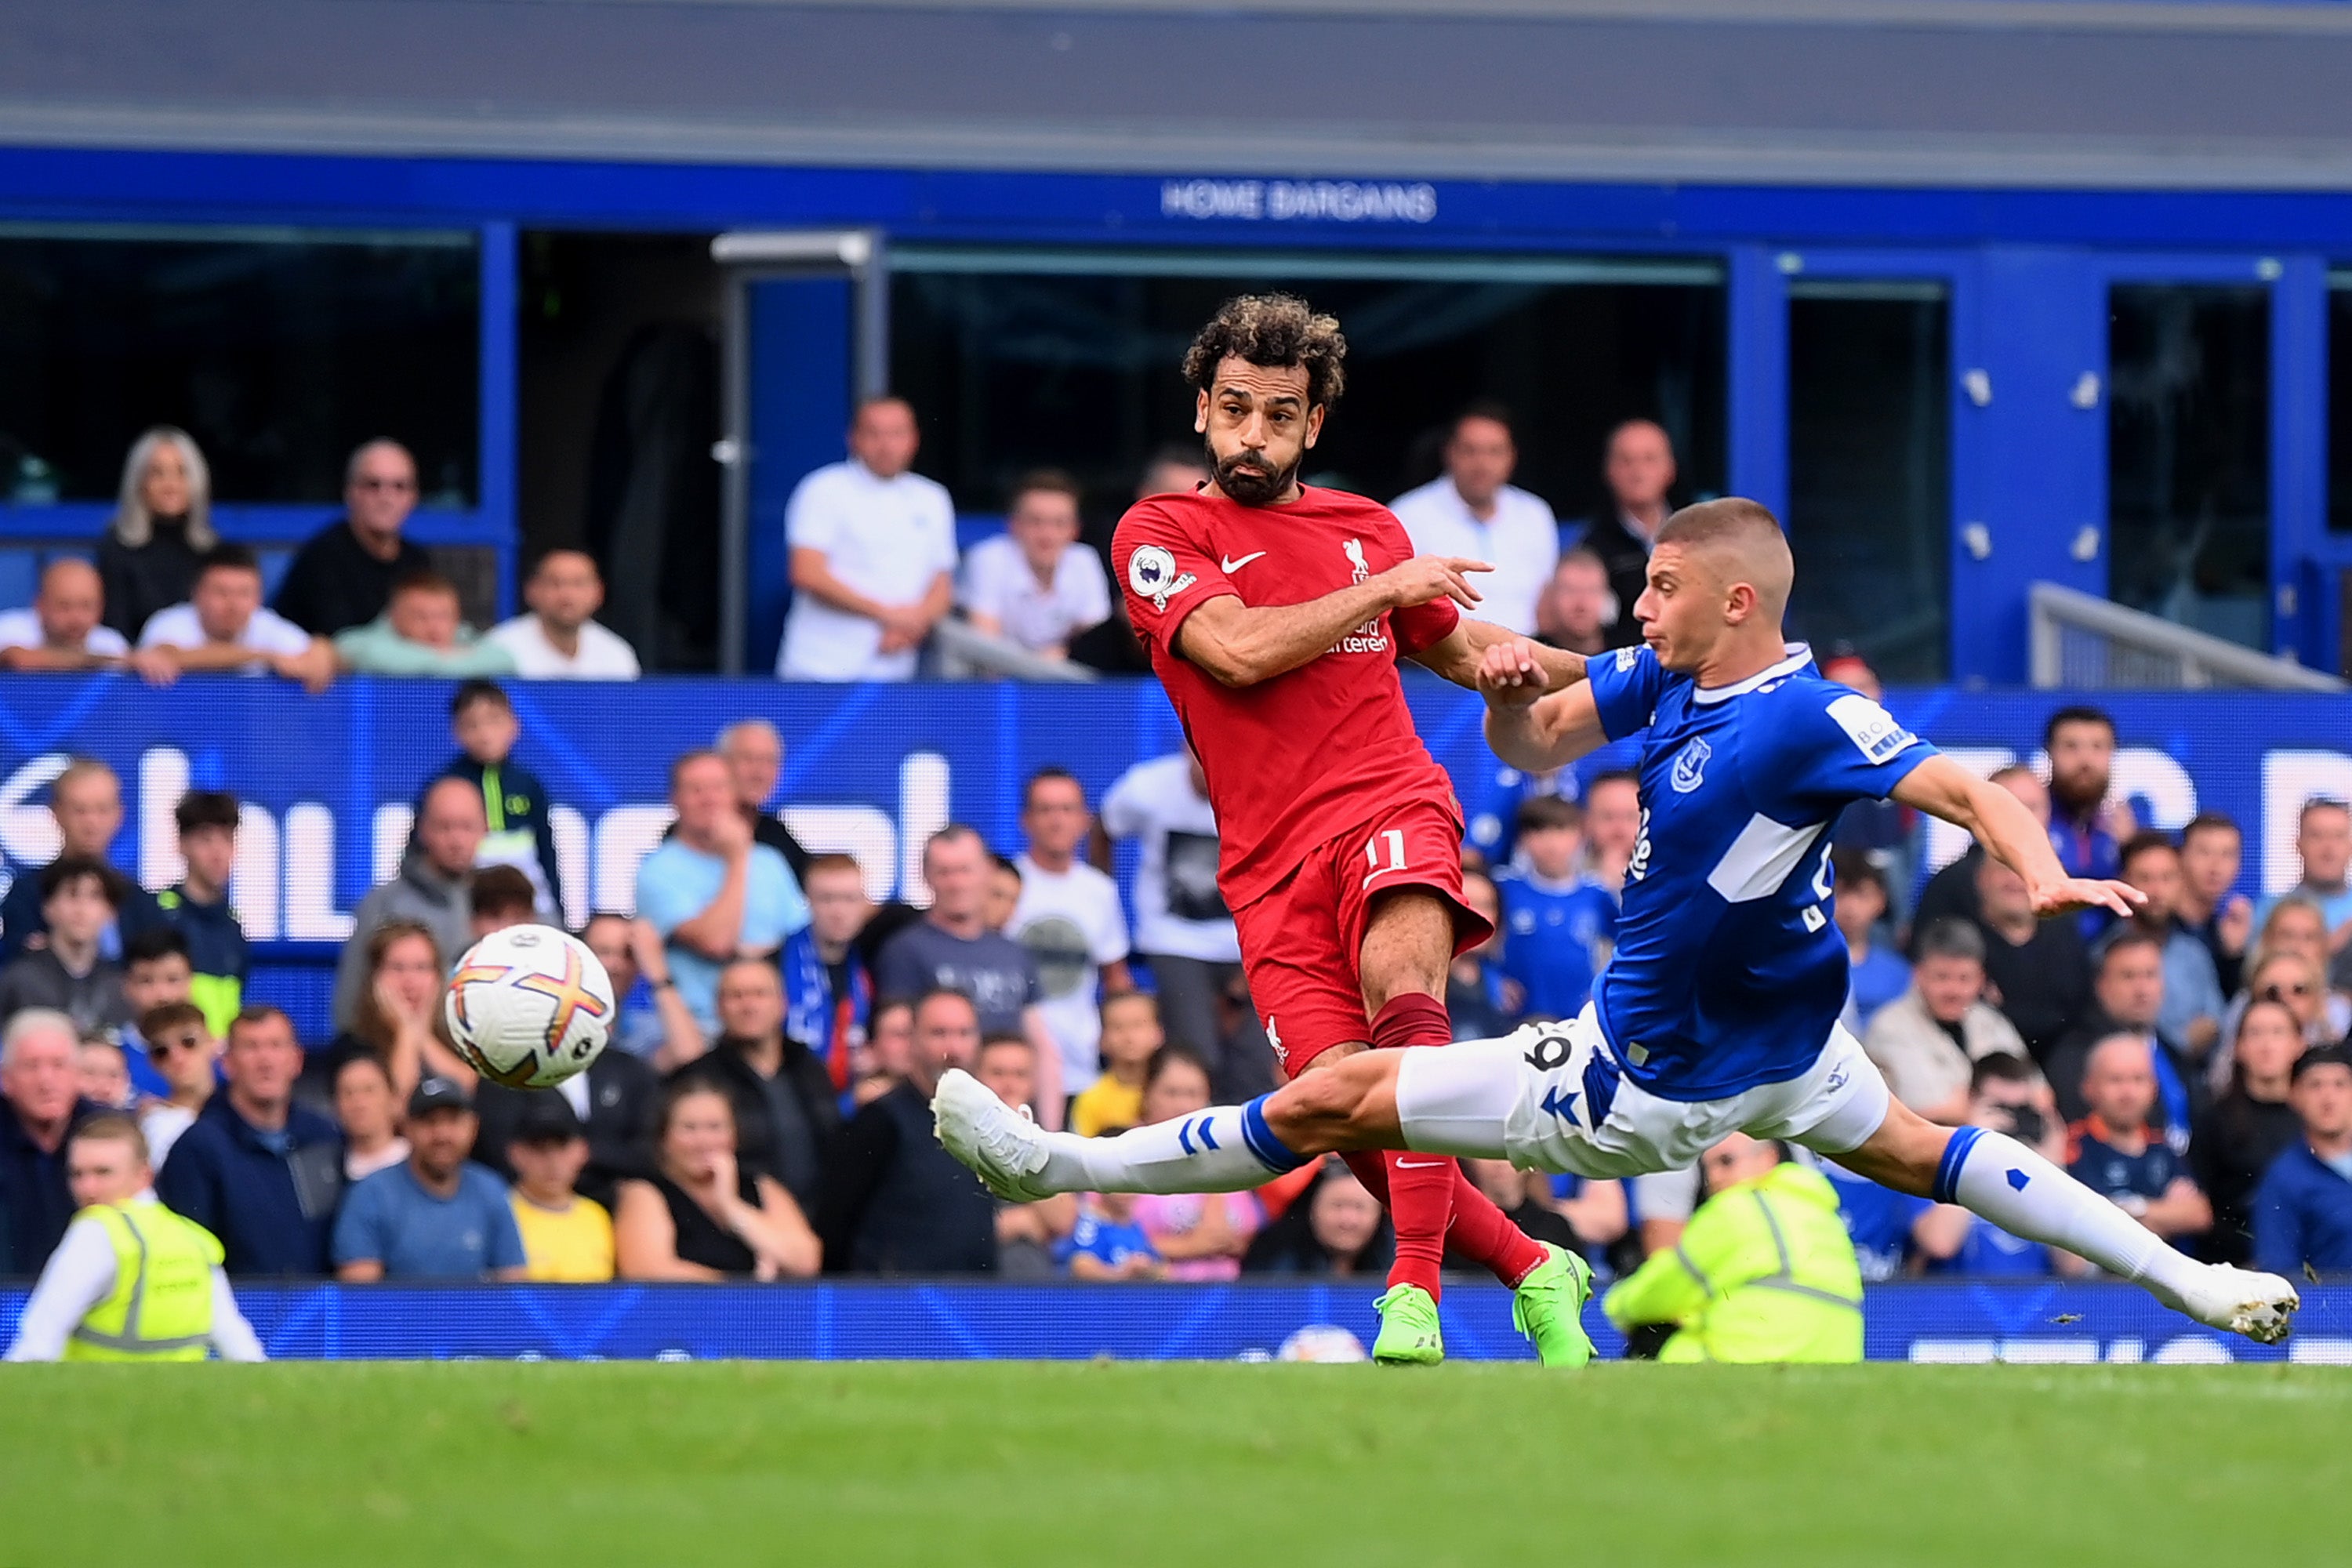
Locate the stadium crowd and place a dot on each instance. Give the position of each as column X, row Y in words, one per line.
column 763, row 1111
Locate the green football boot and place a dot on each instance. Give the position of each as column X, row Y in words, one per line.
column 1548, row 1307
column 1409, row 1332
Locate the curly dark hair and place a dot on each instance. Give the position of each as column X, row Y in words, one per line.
column 1279, row 330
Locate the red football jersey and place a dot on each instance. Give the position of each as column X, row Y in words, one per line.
column 1298, row 760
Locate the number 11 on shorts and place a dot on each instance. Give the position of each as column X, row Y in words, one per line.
column 1395, row 838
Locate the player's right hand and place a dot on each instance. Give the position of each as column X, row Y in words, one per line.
column 1427, row 577
column 1508, row 675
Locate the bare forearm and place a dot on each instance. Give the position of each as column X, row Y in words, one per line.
column 715, row 932
column 811, row 576
column 1242, row 645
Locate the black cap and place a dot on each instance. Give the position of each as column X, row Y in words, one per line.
column 2320, row 1057
column 547, row 1117
column 434, row 1094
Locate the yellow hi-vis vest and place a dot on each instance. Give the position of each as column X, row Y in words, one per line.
column 161, row 1307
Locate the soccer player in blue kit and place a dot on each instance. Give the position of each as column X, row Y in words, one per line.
column 1718, row 1013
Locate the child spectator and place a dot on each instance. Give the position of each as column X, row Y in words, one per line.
column 1482, row 1001
column 369, row 1114
column 1003, row 892
column 1559, row 925
column 567, row 1238
column 154, row 971
column 1200, row 1238
column 183, row 1052
column 1026, row 1233
column 197, row 907
column 1106, row 1243
column 2005, row 1095
column 514, row 802
column 1875, row 975
column 1130, row 1033
column 422, row 631
column 100, row 1075
column 79, row 898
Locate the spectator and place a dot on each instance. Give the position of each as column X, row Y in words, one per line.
column 1337, row 1229
column 1952, row 890
column 2302, row 1211
column 1613, row 825
column 37, row 1080
column 154, row 971
column 1481, row 1000
column 2296, row 925
column 1035, row 585
column 1026, row 1233
column 436, row 1215
column 86, row 803
column 874, row 556
column 1473, row 511
column 1764, row 1271
column 894, row 1201
column 1584, row 1225
column 515, row 805
column 1110, row 645
column 2037, row 967
column 65, row 972
column 560, row 639
column 2293, row 982
column 1200, row 1237
column 257, row 1170
column 432, row 889
column 197, row 906
column 754, row 753
column 883, row 1064
column 223, row 627
column 1003, row 895
column 2248, row 1127
column 1493, row 829
column 2211, row 851
column 497, row 897
column 827, row 992
column 653, row 1025
column 2192, row 991
column 613, row 1102
column 342, row 576
column 1182, row 928
column 1068, row 916
column 369, row 1113
column 2086, row 828
column 952, row 948
column 1131, row 1040
column 398, row 1016
column 2116, row 1152
column 1927, row 1040
column 566, row 1238
column 1639, row 470
column 786, row 1112
column 1106, row 1243
column 132, row 1281
column 698, row 1215
column 62, row 630
column 2322, row 844
column 100, row 1075
column 2127, row 993
column 161, row 527
column 2007, row 1096
column 1577, row 609
column 421, row 632
column 1559, row 926
column 1895, row 1234
column 1875, row 975
column 711, row 890
column 182, row 1050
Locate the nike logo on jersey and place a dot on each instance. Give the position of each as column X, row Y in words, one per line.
column 1422, row 1165
column 1229, row 565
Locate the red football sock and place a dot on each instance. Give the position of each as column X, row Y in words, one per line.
column 1412, row 1019
column 1420, row 1204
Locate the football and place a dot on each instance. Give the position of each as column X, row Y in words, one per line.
column 529, row 1007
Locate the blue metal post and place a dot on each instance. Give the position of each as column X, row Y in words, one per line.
column 2303, row 612
column 495, row 503
column 1759, row 376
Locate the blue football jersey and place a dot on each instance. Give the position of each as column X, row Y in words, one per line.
column 1728, row 971
column 1878, row 1218
column 1555, row 939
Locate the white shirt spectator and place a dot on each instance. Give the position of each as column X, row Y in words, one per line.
column 1073, row 923
column 997, row 581
column 886, row 539
column 603, row 653
column 266, row 632
column 162, row 1124
column 22, row 629
column 1521, row 540
column 1178, row 909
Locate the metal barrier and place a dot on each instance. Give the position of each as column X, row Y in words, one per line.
column 2079, row 640
column 963, row 652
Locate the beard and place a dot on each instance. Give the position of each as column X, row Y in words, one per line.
column 1251, row 479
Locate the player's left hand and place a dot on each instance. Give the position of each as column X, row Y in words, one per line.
column 1508, row 675
column 2087, row 893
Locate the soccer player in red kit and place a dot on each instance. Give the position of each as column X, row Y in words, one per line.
column 1275, row 614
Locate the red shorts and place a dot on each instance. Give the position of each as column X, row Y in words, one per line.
column 1301, row 943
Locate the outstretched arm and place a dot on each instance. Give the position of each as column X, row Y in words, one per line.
column 1459, row 654
column 1242, row 645
column 1941, row 787
column 1541, row 713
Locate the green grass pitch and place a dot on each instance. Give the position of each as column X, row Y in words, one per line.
column 1209, row 1466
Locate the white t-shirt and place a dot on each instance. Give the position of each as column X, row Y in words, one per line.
column 887, row 539
column 604, row 655
column 163, row 1122
column 267, row 632
column 1072, row 922
column 1521, row 540
column 22, row 629
column 997, row 581
column 1178, row 909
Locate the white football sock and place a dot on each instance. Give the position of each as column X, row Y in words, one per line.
column 1225, row 1149
column 2027, row 1196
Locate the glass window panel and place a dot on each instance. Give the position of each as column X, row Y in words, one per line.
column 1025, row 366
column 1870, row 473
column 2339, row 402
column 278, row 351
column 2189, row 492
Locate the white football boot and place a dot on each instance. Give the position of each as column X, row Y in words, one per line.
column 2259, row 1306
column 1003, row 1147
